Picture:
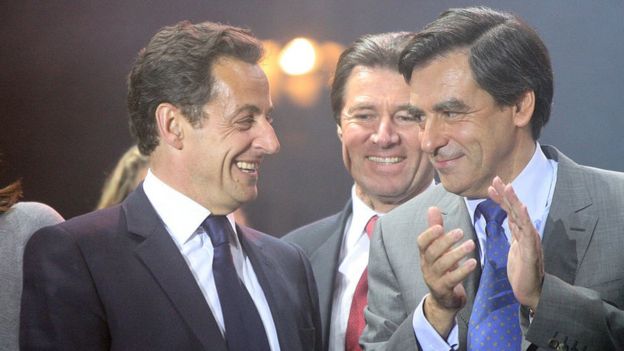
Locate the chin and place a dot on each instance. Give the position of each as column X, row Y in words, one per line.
column 453, row 187
column 248, row 197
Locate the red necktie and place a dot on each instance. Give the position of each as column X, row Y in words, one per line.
column 356, row 322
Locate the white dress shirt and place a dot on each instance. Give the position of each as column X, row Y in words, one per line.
column 353, row 260
column 535, row 188
column 182, row 218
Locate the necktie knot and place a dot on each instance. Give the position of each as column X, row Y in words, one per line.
column 218, row 229
column 492, row 212
column 370, row 225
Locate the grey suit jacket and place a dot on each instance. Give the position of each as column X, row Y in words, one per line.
column 114, row 279
column 16, row 227
column 582, row 299
column 321, row 242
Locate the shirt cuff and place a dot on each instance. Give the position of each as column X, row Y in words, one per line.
column 428, row 337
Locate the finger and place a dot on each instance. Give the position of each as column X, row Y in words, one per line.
column 458, row 275
column 434, row 216
column 496, row 192
column 442, row 245
column 495, row 195
column 519, row 213
column 426, row 238
column 435, row 230
column 521, row 226
column 450, row 260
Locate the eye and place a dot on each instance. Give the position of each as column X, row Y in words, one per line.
column 246, row 122
column 415, row 114
column 451, row 114
column 417, row 117
column 406, row 117
column 363, row 116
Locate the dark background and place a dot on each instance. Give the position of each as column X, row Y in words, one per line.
column 64, row 65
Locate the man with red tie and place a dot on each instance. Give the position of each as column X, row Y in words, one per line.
column 381, row 151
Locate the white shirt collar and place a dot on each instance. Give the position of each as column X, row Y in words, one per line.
column 181, row 215
column 534, row 187
column 360, row 216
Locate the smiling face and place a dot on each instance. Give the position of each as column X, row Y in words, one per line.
column 222, row 156
column 380, row 143
column 469, row 138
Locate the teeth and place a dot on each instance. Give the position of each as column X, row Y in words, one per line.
column 385, row 159
column 247, row 166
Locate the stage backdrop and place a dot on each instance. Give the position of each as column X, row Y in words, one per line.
column 64, row 66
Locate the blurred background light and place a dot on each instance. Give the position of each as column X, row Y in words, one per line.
column 301, row 69
column 298, row 57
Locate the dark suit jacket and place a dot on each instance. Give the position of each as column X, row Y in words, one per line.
column 321, row 242
column 114, row 279
column 582, row 302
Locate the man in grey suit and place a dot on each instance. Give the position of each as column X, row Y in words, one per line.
column 168, row 269
column 381, row 151
column 481, row 87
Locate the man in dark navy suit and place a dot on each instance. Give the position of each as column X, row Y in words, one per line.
column 152, row 273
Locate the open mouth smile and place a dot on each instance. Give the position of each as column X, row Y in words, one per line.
column 385, row 160
column 248, row 167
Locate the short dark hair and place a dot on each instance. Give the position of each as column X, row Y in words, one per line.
column 175, row 67
column 373, row 50
column 507, row 57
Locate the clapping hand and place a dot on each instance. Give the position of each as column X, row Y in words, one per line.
column 443, row 271
column 525, row 264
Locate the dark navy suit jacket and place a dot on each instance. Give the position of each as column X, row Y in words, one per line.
column 115, row 280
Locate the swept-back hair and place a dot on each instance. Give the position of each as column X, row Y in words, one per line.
column 507, row 57
column 175, row 67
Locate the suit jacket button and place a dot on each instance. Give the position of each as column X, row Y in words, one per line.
column 553, row 343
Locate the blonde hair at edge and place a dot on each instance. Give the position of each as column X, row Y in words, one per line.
column 128, row 173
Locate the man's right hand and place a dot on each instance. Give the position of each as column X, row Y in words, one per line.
column 442, row 271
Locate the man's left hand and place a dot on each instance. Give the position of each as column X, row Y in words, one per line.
column 525, row 264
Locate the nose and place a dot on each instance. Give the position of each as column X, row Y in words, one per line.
column 385, row 134
column 267, row 139
column 432, row 136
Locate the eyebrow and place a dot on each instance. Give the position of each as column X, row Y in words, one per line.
column 452, row 104
column 361, row 106
column 252, row 108
column 413, row 110
column 402, row 107
column 366, row 106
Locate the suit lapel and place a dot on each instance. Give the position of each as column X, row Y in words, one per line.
column 263, row 266
column 162, row 258
column 324, row 263
column 571, row 220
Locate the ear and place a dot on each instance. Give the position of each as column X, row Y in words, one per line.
column 523, row 109
column 339, row 132
column 169, row 123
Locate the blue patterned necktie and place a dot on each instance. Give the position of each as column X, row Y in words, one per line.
column 244, row 330
column 494, row 323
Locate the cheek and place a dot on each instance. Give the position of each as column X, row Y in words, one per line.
column 468, row 138
column 353, row 141
column 346, row 156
